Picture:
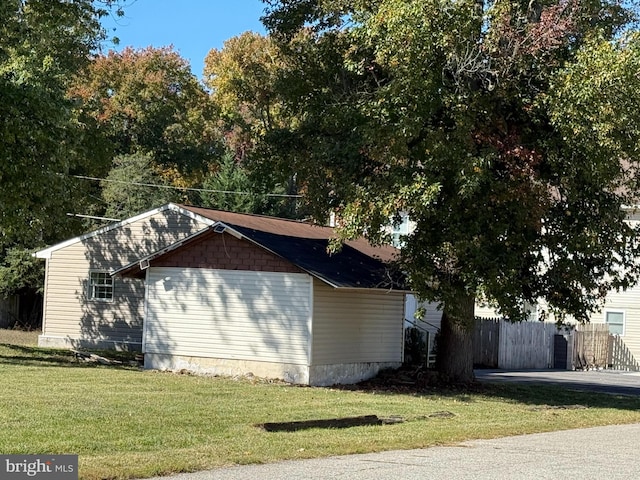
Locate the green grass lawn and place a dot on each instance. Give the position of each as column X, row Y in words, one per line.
column 19, row 337
column 127, row 423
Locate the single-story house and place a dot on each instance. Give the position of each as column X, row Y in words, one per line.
column 224, row 293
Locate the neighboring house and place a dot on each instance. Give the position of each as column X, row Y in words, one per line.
column 621, row 310
column 223, row 293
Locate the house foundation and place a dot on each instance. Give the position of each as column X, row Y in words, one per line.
column 319, row 375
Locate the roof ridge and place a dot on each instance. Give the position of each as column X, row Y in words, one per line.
column 256, row 215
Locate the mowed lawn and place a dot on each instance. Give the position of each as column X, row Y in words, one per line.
column 127, row 423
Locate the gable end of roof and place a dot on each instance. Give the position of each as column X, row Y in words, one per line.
column 46, row 253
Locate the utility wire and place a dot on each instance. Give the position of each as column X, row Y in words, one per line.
column 139, row 184
column 93, row 217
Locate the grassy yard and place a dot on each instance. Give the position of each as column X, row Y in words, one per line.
column 127, row 423
column 19, row 337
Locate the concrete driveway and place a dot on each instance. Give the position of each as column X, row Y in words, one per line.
column 604, row 381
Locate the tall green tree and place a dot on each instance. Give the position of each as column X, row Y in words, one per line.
column 232, row 187
column 229, row 188
column 134, row 185
column 487, row 124
column 42, row 139
column 242, row 78
column 147, row 101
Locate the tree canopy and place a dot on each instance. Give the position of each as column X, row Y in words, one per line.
column 243, row 79
column 148, row 101
column 42, row 44
column 506, row 130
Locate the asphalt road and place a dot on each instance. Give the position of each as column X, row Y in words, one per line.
column 605, row 381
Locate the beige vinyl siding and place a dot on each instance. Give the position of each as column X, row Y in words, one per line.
column 356, row 326
column 431, row 319
column 629, row 303
column 228, row 314
column 68, row 313
column 483, row 310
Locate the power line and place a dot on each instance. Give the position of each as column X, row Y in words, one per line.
column 206, row 190
column 93, row 217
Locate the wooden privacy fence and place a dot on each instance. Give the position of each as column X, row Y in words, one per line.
column 526, row 345
column 620, row 358
column 537, row 345
column 523, row 345
column 485, row 342
column 591, row 346
column 9, row 311
column 594, row 347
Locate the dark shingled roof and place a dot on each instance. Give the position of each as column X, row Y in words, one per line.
column 357, row 264
column 347, row 268
column 291, row 228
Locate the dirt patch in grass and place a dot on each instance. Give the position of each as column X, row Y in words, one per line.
column 410, row 380
column 329, row 423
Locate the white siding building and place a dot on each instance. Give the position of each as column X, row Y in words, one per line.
column 222, row 293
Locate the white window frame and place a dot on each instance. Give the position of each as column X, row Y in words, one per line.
column 400, row 230
column 624, row 320
column 99, row 290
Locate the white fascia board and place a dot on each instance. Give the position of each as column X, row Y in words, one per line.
column 46, row 253
column 381, row 291
column 190, row 214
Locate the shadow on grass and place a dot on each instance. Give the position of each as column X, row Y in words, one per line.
column 536, row 394
column 559, row 396
column 51, row 357
column 345, row 422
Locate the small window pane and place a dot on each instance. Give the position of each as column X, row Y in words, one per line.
column 100, row 286
column 615, row 320
column 399, row 231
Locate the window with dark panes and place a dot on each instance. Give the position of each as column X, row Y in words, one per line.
column 100, row 286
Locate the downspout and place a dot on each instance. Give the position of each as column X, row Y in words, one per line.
column 145, row 314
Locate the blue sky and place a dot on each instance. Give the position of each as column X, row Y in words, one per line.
column 193, row 27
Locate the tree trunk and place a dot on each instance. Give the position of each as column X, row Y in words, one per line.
column 455, row 343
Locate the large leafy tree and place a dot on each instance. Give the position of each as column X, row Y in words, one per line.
column 507, row 130
column 243, row 80
column 147, row 101
column 241, row 77
column 42, row 140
